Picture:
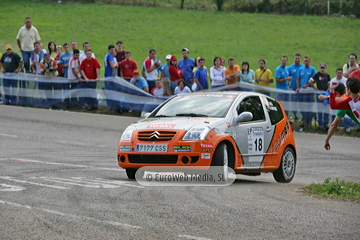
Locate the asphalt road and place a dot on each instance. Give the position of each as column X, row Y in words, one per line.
column 59, row 179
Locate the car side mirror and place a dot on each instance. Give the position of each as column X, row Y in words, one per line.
column 146, row 115
column 244, row 117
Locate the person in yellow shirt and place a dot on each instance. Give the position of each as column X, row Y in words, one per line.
column 263, row 76
column 232, row 73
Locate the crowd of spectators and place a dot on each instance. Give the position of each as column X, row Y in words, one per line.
column 82, row 68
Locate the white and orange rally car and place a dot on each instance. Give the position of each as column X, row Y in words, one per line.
column 246, row 131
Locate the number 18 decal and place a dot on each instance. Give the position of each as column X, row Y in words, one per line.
column 255, row 140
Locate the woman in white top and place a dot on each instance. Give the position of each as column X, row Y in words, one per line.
column 217, row 74
column 182, row 88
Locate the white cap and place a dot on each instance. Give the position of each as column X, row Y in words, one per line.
column 168, row 57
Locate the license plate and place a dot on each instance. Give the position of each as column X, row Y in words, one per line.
column 151, row 148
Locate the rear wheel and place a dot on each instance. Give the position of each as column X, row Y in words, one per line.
column 221, row 158
column 286, row 171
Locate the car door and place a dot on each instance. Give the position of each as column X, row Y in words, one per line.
column 253, row 137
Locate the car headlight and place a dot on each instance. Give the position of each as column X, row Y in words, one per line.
column 126, row 135
column 196, row 133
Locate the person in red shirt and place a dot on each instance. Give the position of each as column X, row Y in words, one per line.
column 58, row 61
column 127, row 67
column 175, row 73
column 90, row 71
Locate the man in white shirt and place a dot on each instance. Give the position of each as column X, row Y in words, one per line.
column 339, row 77
column 26, row 38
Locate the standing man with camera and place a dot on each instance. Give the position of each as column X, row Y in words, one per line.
column 48, row 67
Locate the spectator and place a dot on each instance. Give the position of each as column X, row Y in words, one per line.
column 182, row 88
column 110, row 66
column 355, row 74
column 48, row 67
column 232, row 73
column 322, row 79
column 340, row 115
column 339, row 77
column 65, row 58
column 351, row 65
column 158, row 91
column 74, row 74
column 58, row 61
column 150, row 68
column 200, row 76
column 139, row 82
column 282, row 82
column 217, row 74
column 28, row 34
column 246, row 74
column 10, row 62
column 120, row 55
column 165, row 68
column 186, row 66
column 86, row 46
column 352, row 102
column 127, row 66
column 90, row 70
column 263, row 76
column 75, row 46
column 36, row 57
column 52, row 49
column 294, row 73
column 175, row 73
column 306, row 96
column 222, row 63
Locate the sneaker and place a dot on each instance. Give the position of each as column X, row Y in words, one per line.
column 347, row 129
column 301, row 129
column 1, row 100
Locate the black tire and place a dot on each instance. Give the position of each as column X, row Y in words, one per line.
column 286, row 171
column 221, row 158
column 130, row 172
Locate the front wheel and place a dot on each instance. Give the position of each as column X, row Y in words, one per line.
column 221, row 158
column 132, row 172
column 286, row 171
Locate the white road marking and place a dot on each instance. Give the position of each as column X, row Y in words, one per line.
column 10, row 188
column 8, row 135
column 62, row 164
column 91, row 183
column 124, row 225
column 193, row 237
column 33, row 183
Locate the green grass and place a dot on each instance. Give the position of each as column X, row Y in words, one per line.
column 206, row 33
column 335, row 189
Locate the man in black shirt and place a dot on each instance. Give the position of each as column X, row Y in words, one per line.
column 322, row 79
column 10, row 63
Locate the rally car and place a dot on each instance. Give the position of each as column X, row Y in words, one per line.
column 246, row 131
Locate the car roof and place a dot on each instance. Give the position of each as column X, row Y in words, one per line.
column 237, row 93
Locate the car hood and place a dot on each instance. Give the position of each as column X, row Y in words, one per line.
column 182, row 123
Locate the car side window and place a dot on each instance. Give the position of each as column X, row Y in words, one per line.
column 253, row 105
column 274, row 110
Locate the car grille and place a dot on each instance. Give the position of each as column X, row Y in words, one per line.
column 153, row 159
column 156, row 136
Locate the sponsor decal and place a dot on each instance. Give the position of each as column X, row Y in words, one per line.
column 207, row 150
column 206, row 145
column 228, row 124
column 205, row 155
column 182, row 148
column 255, row 140
column 125, row 148
column 161, row 126
column 149, row 120
column 282, row 137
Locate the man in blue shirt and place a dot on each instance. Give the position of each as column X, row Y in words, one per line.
column 200, row 76
column 294, row 73
column 282, row 82
column 165, row 68
column 186, row 65
column 306, row 92
column 139, row 82
column 110, row 64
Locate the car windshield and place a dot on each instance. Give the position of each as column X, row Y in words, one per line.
column 196, row 105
